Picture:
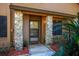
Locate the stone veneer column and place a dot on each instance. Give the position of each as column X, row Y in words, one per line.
column 49, row 29
column 18, row 30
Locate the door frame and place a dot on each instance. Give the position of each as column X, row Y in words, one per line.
column 40, row 28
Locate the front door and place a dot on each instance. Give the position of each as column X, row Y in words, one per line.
column 34, row 30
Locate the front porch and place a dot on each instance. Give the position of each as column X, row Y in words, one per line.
column 36, row 32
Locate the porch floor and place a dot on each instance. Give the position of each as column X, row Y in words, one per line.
column 40, row 50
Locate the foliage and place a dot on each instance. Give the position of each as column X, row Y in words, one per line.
column 4, row 51
column 24, row 43
column 73, row 26
column 71, row 48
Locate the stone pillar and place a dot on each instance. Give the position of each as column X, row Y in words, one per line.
column 18, row 30
column 49, row 29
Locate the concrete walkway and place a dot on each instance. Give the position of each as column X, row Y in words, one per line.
column 40, row 50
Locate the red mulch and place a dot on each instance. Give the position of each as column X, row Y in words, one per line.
column 14, row 52
column 55, row 46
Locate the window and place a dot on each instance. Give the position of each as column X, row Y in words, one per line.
column 3, row 26
column 57, row 27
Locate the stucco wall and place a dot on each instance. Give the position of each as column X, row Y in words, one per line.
column 78, row 7
column 5, row 11
column 70, row 8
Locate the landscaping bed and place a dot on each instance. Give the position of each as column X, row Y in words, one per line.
column 13, row 52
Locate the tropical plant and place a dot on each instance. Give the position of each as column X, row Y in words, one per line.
column 73, row 27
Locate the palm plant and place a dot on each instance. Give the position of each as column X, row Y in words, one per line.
column 73, row 27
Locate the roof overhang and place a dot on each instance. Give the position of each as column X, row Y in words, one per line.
column 15, row 7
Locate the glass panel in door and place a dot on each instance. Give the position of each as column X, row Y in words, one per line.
column 34, row 32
